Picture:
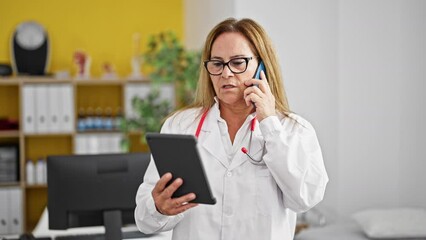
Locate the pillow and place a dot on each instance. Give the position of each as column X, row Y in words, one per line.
column 393, row 223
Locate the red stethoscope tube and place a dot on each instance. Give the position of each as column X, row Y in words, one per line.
column 243, row 149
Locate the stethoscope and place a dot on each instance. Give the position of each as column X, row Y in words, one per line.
column 243, row 149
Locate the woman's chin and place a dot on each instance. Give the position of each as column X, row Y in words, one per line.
column 232, row 101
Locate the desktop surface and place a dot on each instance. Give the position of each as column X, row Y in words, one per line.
column 101, row 236
column 42, row 231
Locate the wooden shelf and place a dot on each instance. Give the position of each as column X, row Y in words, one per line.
column 36, row 186
column 98, row 132
column 42, row 79
column 10, row 184
column 41, row 135
column 93, row 93
column 104, row 82
column 9, row 81
column 47, row 79
column 9, row 133
column 96, row 82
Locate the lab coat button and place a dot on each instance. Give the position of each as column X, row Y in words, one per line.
column 229, row 174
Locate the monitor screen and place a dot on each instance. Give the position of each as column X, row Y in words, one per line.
column 94, row 190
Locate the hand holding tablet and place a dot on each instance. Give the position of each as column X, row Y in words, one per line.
column 177, row 154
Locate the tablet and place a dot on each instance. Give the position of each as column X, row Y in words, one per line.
column 178, row 154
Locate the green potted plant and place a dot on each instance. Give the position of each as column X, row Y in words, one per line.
column 169, row 62
column 172, row 63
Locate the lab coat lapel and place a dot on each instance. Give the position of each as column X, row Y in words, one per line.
column 210, row 139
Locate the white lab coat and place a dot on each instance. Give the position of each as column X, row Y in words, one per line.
column 253, row 202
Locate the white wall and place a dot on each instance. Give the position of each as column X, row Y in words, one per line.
column 381, row 80
column 412, row 147
column 356, row 70
column 369, row 85
column 201, row 16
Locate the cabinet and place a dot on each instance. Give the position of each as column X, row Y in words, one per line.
column 55, row 139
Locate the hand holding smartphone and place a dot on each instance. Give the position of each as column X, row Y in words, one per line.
column 260, row 68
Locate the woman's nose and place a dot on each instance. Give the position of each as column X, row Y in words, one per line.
column 227, row 72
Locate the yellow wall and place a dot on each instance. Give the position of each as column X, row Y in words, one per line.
column 102, row 28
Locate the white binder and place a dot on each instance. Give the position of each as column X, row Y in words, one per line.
column 54, row 99
column 80, row 144
column 92, row 144
column 115, row 143
column 28, row 108
column 103, row 143
column 66, row 119
column 4, row 211
column 15, row 213
column 42, row 108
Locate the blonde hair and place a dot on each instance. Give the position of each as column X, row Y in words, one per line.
column 261, row 46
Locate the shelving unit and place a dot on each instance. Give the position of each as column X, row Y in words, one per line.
column 32, row 146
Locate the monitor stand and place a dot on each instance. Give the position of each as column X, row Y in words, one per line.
column 113, row 223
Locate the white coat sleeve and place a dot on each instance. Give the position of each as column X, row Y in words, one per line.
column 147, row 218
column 294, row 158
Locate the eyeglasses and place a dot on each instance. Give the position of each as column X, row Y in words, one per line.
column 236, row 65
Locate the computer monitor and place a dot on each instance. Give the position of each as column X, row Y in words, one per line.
column 94, row 190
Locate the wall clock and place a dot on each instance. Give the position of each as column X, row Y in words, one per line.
column 30, row 49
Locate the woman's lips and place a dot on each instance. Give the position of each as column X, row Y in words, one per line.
column 228, row 86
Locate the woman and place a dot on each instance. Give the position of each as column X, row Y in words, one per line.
column 258, row 191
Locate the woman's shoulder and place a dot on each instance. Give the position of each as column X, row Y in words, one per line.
column 185, row 114
column 182, row 119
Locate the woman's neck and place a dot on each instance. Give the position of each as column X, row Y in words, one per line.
column 234, row 117
column 231, row 113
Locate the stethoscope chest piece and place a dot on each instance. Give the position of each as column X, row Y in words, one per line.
column 247, row 152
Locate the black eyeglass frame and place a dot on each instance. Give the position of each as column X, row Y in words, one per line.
column 246, row 59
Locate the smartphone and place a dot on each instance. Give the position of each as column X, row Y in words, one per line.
column 260, row 67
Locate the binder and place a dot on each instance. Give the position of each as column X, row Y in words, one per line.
column 4, row 212
column 67, row 114
column 28, row 109
column 92, row 144
column 30, row 172
column 15, row 213
column 103, row 143
column 115, row 143
column 42, row 108
column 9, row 163
column 80, row 145
column 55, row 99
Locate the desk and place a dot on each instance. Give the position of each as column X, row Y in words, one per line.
column 160, row 236
column 87, row 235
column 42, row 230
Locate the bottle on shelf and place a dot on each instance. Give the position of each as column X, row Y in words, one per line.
column 118, row 118
column 89, row 119
column 107, row 119
column 30, row 172
column 81, row 120
column 98, row 123
column 41, row 174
